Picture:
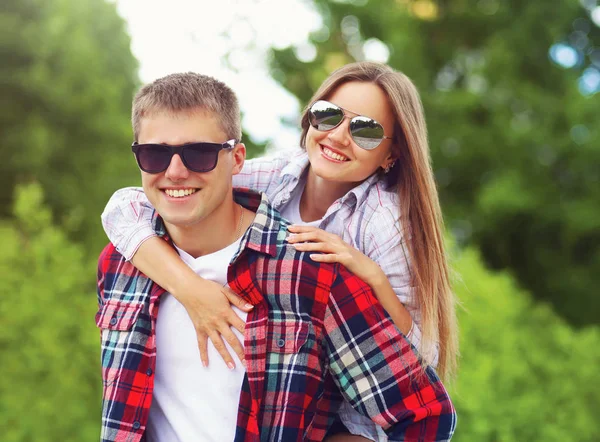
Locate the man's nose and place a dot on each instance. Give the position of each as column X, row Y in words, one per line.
column 176, row 170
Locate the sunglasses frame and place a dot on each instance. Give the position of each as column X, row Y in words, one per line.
column 179, row 150
column 344, row 116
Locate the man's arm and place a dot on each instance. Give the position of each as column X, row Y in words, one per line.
column 101, row 272
column 378, row 371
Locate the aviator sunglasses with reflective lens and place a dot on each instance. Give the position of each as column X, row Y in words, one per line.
column 366, row 132
column 197, row 157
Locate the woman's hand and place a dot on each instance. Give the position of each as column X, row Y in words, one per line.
column 208, row 305
column 334, row 249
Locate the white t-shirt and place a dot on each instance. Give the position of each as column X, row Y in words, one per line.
column 191, row 402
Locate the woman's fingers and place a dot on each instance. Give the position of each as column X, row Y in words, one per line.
column 236, row 322
column 217, row 341
column 299, row 228
column 234, row 343
column 217, row 334
column 325, row 257
column 308, row 233
column 319, row 236
column 237, row 301
column 314, row 247
column 203, row 347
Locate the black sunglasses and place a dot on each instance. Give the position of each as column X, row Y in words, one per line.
column 366, row 132
column 197, row 157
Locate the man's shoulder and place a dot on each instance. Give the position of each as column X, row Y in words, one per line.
column 113, row 267
column 326, row 274
column 109, row 256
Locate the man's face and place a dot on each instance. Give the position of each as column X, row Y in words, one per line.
column 203, row 194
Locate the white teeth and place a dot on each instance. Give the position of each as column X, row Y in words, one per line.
column 178, row 193
column 336, row 156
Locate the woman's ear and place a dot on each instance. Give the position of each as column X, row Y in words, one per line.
column 389, row 162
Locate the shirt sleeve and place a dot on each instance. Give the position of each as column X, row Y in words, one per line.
column 385, row 244
column 259, row 174
column 378, row 371
column 127, row 220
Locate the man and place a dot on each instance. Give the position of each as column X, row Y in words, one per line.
column 316, row 332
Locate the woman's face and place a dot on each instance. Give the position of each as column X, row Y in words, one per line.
column 333, row 155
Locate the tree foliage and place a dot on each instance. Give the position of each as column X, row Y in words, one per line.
column 525, row 375
column 50, row 383
column 69, row 76
column 514, row 136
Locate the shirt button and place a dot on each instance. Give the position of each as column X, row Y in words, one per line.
column 136, row 425
column 113, row 321
column 149, row 372
column 281, row 343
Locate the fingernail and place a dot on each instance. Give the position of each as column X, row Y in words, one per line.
column 249, row 306
column 230, row 365
column 204, row 364
column 244, row 363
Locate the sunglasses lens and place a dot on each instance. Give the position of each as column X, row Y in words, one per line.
column 201, row 158
column 366, row 132
column 325, row 116
column 154, row 158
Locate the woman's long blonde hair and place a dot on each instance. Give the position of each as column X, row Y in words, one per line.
column 422, row 222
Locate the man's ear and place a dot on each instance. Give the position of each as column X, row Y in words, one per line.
column 239, row 156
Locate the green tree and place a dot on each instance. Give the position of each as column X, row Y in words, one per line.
column 525, row 375
column 49, row 344
column 514, row 136
column 69, row 76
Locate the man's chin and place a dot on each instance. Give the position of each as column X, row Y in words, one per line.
column 179, row 221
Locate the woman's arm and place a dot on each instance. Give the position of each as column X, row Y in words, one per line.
column 127, row 220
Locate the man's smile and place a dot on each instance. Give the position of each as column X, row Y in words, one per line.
column 180, row 193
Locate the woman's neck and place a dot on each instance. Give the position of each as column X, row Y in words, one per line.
column 319, row 195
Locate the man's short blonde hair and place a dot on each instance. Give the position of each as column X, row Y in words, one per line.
column 188, row 92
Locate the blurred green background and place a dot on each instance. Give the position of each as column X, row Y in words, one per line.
column 510, row 90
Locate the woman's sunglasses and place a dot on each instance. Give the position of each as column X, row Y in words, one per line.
column 197, row 157
column 366, row 132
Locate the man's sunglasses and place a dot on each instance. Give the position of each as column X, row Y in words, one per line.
column 197, row 157
column 366, row 132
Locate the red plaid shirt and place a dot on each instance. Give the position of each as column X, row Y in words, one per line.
column 316, row 334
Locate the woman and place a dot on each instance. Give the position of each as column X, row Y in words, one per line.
column 361, row 193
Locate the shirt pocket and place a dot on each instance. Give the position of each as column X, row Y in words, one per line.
column 117, row 322
column 287, row 337
column 118, row 315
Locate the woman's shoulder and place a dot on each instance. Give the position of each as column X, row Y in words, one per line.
column 375, row 223
column 375, row 215
column 381, row 202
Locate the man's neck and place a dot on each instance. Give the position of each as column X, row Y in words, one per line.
column 213, row 233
